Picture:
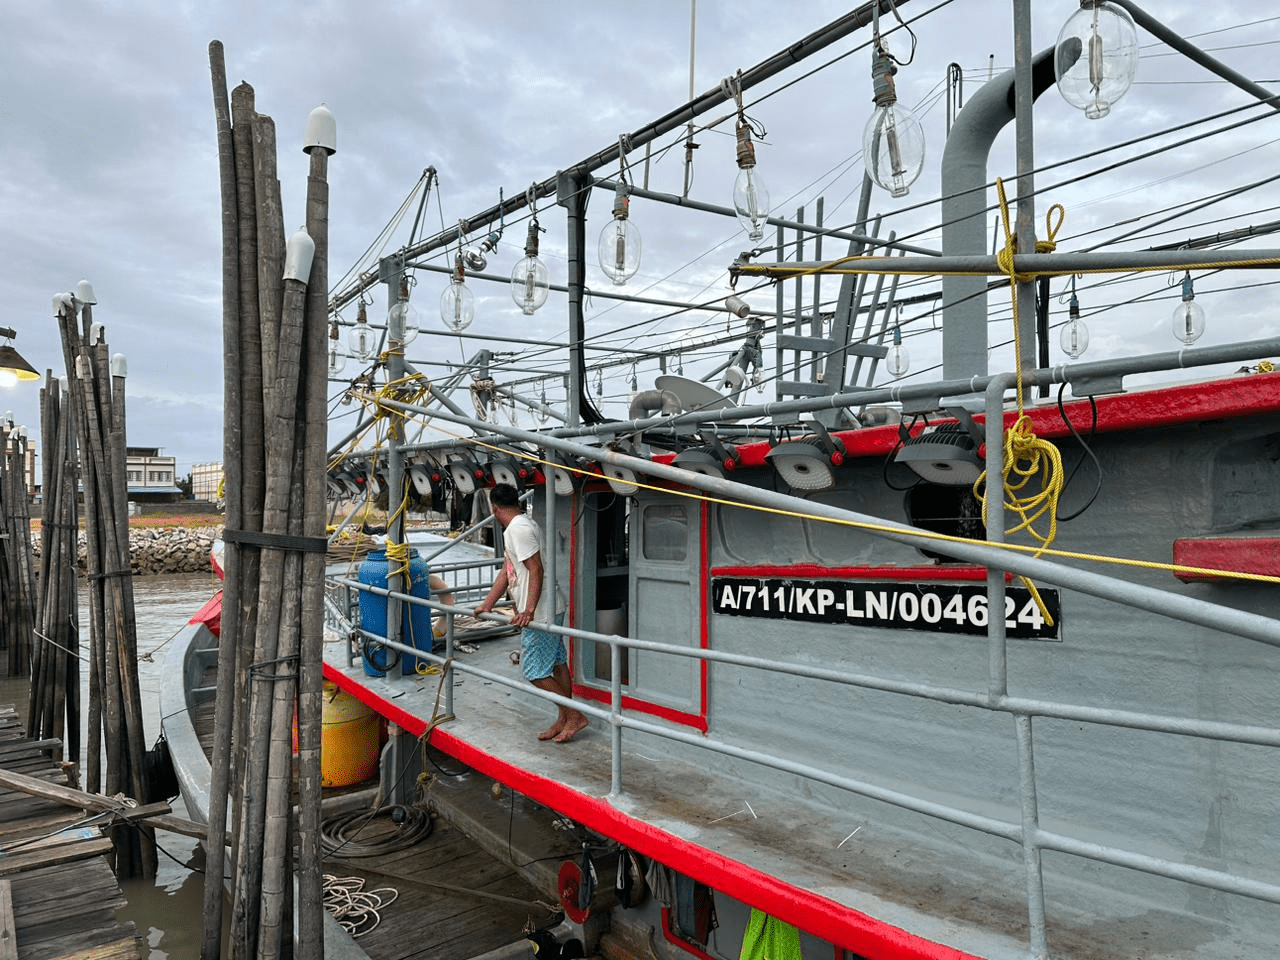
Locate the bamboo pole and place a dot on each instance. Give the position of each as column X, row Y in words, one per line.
column 253, row 476
column 282, row 617
column 280, row 386
column 43, row 719
column 106, row 522
column 310, row 944
column 232, row 434
column 101, row 433
column 144, row 840
column 103, row 715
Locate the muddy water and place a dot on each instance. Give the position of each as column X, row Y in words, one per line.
column 167, row 911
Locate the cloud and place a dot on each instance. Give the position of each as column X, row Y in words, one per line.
column 109, row 162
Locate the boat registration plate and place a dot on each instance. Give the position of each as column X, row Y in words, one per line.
column 939, row 607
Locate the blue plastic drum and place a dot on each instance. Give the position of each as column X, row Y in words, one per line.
column 373, row 613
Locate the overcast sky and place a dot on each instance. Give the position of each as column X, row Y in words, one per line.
column 108, row 154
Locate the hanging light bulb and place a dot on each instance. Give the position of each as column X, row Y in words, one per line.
column 897, row 360
column 457, row 303
column 403, row 313
column 635, row 381
column 530, row 281
column 477, row 258
column 337, row 359
column 543, row 410
column 360, row 338
column 600, row 383
column 620, row 241
column 750, row 195
column 1075, row 334
column 1188, row 316
column 893, row 140
column 1097, row 56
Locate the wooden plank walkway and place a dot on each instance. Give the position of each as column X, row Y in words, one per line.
column 58, row 895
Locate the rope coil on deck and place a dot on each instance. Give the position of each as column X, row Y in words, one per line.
column 355, row 908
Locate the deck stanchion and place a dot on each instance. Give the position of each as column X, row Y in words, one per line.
column 448, row 668
column 615, row 725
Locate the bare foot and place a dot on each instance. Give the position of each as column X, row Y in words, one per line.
column 551, row 731
column 573, row 726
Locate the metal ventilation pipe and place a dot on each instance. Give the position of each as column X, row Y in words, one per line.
column 964, row 222
column 648, row 402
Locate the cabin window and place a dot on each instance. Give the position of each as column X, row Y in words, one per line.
column 666, row 532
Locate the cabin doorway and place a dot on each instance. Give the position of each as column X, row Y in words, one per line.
column 666, row 581
column 604, row 523
column 647, row 582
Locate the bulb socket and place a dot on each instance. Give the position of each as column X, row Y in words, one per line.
column 746, row 149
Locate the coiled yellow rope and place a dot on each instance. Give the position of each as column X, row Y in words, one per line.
column 1026, row 457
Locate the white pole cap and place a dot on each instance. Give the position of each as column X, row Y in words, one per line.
column 298, row 254
column 84, row 292
column 322, row 131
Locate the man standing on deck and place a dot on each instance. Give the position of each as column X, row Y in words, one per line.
column 543, row 656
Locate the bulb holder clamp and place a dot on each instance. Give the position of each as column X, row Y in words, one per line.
column 746, row 149
column 883, row 91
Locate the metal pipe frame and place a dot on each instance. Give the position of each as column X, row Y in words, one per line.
column 1040, row 264
column 797, row 225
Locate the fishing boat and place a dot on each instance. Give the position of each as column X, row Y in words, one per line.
column 808, row 734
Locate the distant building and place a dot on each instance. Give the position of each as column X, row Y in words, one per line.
column 29, row 478
column 205, row 480
column 150, row 476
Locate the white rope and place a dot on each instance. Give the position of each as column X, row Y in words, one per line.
column 355, row 908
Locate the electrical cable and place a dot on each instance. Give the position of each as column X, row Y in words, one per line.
column 1093, row 428
column 338, row 833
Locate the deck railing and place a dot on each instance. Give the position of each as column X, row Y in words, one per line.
column 1026, row 830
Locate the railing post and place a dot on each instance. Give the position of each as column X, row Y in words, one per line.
column 615, row 717
column 447, row 679
column 1030, row 848
column 997, row 653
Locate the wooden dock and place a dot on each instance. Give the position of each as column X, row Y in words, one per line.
column 58, row 895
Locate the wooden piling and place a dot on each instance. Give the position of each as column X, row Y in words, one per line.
column 100, row 426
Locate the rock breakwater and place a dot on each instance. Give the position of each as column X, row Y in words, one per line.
column 161, row 549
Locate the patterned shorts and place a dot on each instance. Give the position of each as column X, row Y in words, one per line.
column 542, row 653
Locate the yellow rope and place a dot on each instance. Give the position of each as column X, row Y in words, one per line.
column 1026, row 457
column 925, row 535
column 397, row 558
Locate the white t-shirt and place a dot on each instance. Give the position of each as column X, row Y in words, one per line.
column 521, row 540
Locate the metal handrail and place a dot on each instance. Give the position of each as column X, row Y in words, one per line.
column 1022, row 709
